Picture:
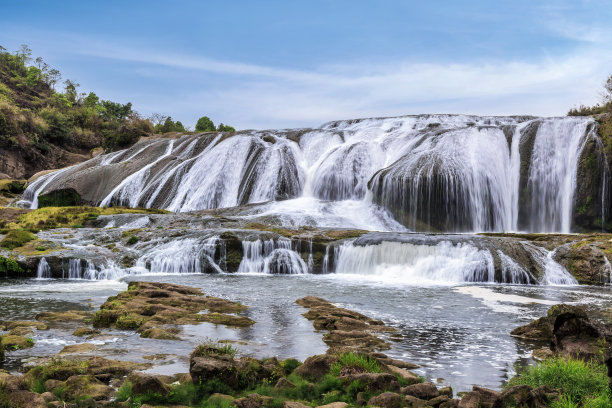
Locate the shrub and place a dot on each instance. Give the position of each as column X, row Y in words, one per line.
column 132, row 240
column 578, row 381
column 210, row 348
column 354, row 360
column 16, row 238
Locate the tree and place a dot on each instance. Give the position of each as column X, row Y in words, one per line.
column 607, row 93
column 53, row 77
column 225, row 128
column 91, row 100
column 204, row 124
column 71, row 90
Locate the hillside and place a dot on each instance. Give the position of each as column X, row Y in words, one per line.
column 43, row 128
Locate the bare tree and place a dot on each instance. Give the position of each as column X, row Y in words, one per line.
column 607, row 92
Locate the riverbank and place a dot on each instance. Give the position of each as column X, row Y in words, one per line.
column 353, row 370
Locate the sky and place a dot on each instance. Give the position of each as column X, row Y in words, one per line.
column 284, row 64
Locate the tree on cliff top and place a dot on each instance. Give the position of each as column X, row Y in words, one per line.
column 606, row 103
column 204, row 124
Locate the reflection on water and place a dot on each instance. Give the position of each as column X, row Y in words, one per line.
column 460, row 335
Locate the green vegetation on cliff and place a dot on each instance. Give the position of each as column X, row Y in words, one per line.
column 34, row 115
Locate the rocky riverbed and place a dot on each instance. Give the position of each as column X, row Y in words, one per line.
column 353, row 371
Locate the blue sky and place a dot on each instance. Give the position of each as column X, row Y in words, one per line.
column 274, row 64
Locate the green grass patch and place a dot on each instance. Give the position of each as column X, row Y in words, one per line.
column 355, row 360
column 211, row 348
column 580, row 383
column 17, row 238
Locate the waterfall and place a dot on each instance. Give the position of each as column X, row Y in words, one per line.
column 552, row 173
column 271, row 257
column 180, row 256
column 43, row 271
column 86, row 269
column 452, row 173
column 408, row 263
column 554, row 273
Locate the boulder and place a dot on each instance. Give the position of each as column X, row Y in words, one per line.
column 334, row 405
column 294, row 404
column 252, row 401
column 143, row 383
column 25, row 399
column 415, row 402
column 479, row 398
column 87, row 385
column 387, row 400
column 424, row 391
column 524, row 396
column 316, row 367
column 205, row 368
column 374, row 382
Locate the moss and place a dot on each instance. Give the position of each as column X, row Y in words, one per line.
column 226, row 319
column 105, row 318
column 10, row 267
column 65, row 217
column 60, row 198
column 17, row 238
column 128, row 322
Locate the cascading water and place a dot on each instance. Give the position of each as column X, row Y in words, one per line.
column 43, row 271
column 408, row 263
column 432, row 172
column 86, row 269
column 180, row 256
column 271, row 257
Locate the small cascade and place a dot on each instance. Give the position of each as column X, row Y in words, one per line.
column 87, row 270
column 407, row 263
column 43, row 271
column 554, row 273
column 180, row 256
column 512, row 272
column 271, row 257
column 609, row 268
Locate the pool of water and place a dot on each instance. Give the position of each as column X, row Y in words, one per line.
column 458, row 334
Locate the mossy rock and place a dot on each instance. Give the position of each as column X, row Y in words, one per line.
column 129, row 321
column 14, row 342
column 16, row 238
column 105, row 318
column 160, row 334
column 226, row 319
column 60, row 198
column 10, row 267
column 69, row 316
column 85, row 331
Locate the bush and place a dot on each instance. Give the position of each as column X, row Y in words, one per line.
column 132, row 240
column 204, row 124
column 210, row 348
column 354, row 360
column 578, row 381
column 17, row 238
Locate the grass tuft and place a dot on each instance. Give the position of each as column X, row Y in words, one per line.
column 357, row 361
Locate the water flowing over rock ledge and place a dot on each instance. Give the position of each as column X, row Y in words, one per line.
column 438, row 173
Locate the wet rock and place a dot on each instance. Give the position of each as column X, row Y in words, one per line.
column 524, row 396
column 479, row 398
column 226, row 319
column 26, row 323
column 586, row 260
column 63, row 368
column 348, row 330
column 384, row 359
column 252, row 401
column 25, row 399
column 316, row 367
column 410, row 377
column 12, row 342
column 70, row 316
column 143, row 383
column 85, row 331
column 424, row 391
column 148, row 305
column 223, row 368
column 161, row 334
column 374, row 382
column 439, row 400
column 78, row 348
column 415, row 402
column 86, row 385
column 387, row 400
column 453, row 403
column 448, row 391
column 538, row 330
column 571, row 332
